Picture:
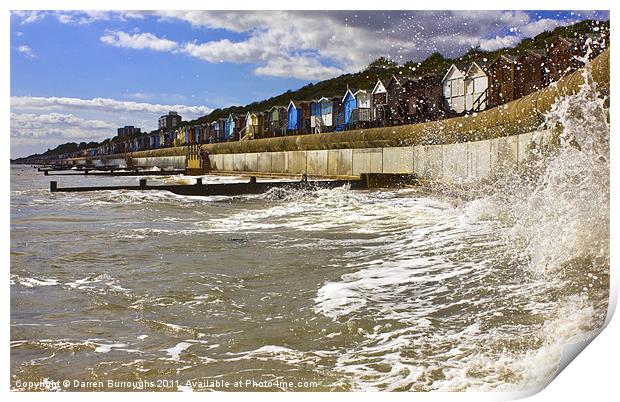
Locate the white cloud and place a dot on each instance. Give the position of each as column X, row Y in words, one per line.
column 320, row 44
column 225, row 50
column 26, row 51
column 28, row 17
column 307, row 68
column 542, row 25
column 145, row 96
column 38, row 122
column 339, row 41
column 30, row 120
column 499, row 42
column 103, row 104
column 62, row 127
column 138, row 41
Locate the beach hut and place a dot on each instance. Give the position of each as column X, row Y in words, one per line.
column 530, row 72
column 476, row 88
column 398, row 94
column 277, row 120
column 251, row 124
column 378, row 103
column 229, row 128
column 425, row 98
column 178, row 137
column 239, row 126
column 207, row 127
column 262, row 117
column 221, row 128
column 305, row 117
column 153, row 140
column 267, row 123
column 562, row 59
column 349, row 104
column 315, row 116
column 363, row 100
column 326, row 109
column 295, row 116
column 169, row 140
column 454, row 89
column 215, row 131
column 502, row 80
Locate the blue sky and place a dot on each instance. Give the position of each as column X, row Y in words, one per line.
column 76, row 76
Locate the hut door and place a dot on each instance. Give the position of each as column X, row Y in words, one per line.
column 348, row 109
column 469, row 94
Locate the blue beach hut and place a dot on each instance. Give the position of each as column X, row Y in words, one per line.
column 349, row 103
column 294, row 116
column 229, row 127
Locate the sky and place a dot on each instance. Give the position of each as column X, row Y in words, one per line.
column 78, row 75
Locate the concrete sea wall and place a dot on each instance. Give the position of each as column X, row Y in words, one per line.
column 448, row 162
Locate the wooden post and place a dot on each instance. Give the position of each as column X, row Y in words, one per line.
column 142, row 183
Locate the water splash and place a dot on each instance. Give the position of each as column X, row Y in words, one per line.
column 552, row 220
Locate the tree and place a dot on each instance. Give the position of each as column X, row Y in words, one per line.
column 434, row 63
column 382, row 62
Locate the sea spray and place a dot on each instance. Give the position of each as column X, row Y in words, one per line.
column 537, row 257
column 564, row 213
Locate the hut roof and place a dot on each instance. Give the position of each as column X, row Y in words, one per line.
column 452, row 68
column 378, row 86
column 276, row 107
column 297, row 103
column 539, row 53
column 503, row 58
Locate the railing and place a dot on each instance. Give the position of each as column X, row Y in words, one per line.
column 251, row 131
column 360, row 114
column 478, row 103
column 242, row 137
column 283, row 127
column 339, row 123
column 318, row 123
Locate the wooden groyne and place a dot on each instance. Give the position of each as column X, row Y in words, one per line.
column 88, row 172
column 253, row 186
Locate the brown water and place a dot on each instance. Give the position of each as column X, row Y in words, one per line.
column 320, row 290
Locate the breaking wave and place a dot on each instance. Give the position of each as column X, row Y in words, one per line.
column 488, row 297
